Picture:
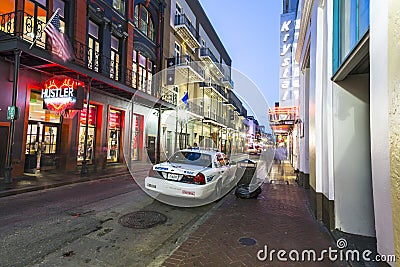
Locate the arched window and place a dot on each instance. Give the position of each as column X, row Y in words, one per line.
column 144, row 22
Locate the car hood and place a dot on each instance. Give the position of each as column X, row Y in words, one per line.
column 179, row 168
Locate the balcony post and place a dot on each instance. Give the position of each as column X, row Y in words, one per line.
column 8, row 167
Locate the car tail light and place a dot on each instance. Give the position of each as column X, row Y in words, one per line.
column 199, row 179
column 154, row 173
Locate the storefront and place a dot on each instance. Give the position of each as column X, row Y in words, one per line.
column 137, row 137
column 42, row 136
column 114, row 136
column 91, row 137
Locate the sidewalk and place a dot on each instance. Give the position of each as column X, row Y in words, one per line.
column 239, row 228
column 51, row 179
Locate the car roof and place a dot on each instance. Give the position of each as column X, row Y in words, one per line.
column 203, row 151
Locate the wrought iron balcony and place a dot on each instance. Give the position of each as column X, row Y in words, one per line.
column 187, row 70
column 196, row 109
column 227, row 82
column 234, row 101
column 169, row 95
column 211, row 61
column 187, row 31
column 216, row 88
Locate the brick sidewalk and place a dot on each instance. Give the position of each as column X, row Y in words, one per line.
column 278, row 218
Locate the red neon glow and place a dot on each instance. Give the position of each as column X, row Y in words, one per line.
column 114, row 120
column 57, row 93
column 91, row 118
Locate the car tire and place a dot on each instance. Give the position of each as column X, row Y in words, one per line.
column 218, row 189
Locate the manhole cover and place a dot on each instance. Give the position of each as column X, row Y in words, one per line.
column 142, row 219
column 246, row 241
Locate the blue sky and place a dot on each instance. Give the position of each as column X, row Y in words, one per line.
column 249, row 31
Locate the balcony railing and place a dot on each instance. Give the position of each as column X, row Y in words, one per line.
column 169, row 96
column 228, row 82
column 206, row 52
column 187, row 61
column 187, row 30
column 216, row 87
column 23, row 25
column 196, row 109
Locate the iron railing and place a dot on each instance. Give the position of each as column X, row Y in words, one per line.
column 187, row 61
column 196, row 109
column 183, row 20
column 206, row 52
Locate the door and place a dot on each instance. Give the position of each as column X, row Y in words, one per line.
column 41, row 146
column 3, row 148
column 151, row 148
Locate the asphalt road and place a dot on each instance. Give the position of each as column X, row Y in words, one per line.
column 77, row 225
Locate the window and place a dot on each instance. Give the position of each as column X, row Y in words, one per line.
column 178, row 10
column 177, row 54
column 351, row 23
column 144, row 22
column 115, row 58
column 134, row 69
column 35, row 17
column 119, row 5
column 94, row 46
column 144, row 72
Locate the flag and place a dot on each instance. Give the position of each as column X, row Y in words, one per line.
column 59, row 43
column 185, row 98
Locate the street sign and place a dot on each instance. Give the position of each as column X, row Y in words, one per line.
column 12, row 113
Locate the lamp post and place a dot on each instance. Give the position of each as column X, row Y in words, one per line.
column 8, row 169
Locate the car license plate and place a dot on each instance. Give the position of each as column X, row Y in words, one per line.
column 172, row 176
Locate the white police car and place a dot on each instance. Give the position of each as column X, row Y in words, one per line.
column 192, row 173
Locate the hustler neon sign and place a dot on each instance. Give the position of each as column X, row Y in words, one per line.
column 59, row 93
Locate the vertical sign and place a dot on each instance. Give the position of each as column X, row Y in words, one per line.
column 288, row 44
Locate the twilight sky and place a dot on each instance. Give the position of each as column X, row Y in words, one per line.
column 249, row 31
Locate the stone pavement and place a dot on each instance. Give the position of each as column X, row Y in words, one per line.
column 239, row 228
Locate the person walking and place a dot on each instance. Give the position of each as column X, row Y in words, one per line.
column 281, row 156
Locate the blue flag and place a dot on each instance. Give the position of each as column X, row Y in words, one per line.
column 185, row 98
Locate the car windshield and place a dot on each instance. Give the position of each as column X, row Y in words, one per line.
column 192, row 158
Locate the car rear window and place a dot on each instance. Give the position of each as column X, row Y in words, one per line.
column 192, row 158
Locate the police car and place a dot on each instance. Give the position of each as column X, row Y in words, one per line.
column 192, row 173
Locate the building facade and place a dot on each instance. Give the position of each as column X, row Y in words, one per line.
column 349, row 59
column 209, row 114
column 128, row 111
column 115, row 55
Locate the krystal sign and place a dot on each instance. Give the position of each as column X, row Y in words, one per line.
column 61, row 93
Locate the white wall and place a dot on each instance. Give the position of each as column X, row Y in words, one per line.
column 380, row 160
column 185, row 10
column 209, row 43
column 304, row 164
column 354, row 211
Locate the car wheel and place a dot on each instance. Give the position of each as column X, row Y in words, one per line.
column 217, row 192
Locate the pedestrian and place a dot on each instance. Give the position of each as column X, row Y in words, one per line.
column 280, row 153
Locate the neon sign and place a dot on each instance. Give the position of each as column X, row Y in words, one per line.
column 91, row 117
column 114, row 119
column 59, row 93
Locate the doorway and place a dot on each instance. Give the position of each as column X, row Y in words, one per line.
column 41, row 146
column 151, row 148
column 3, row 148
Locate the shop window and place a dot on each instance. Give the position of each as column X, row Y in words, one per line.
column 114, row 135
column 91, row 140
column 137, row 136
column 38, row 113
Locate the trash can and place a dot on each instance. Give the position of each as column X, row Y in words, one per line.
column 245, row 171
